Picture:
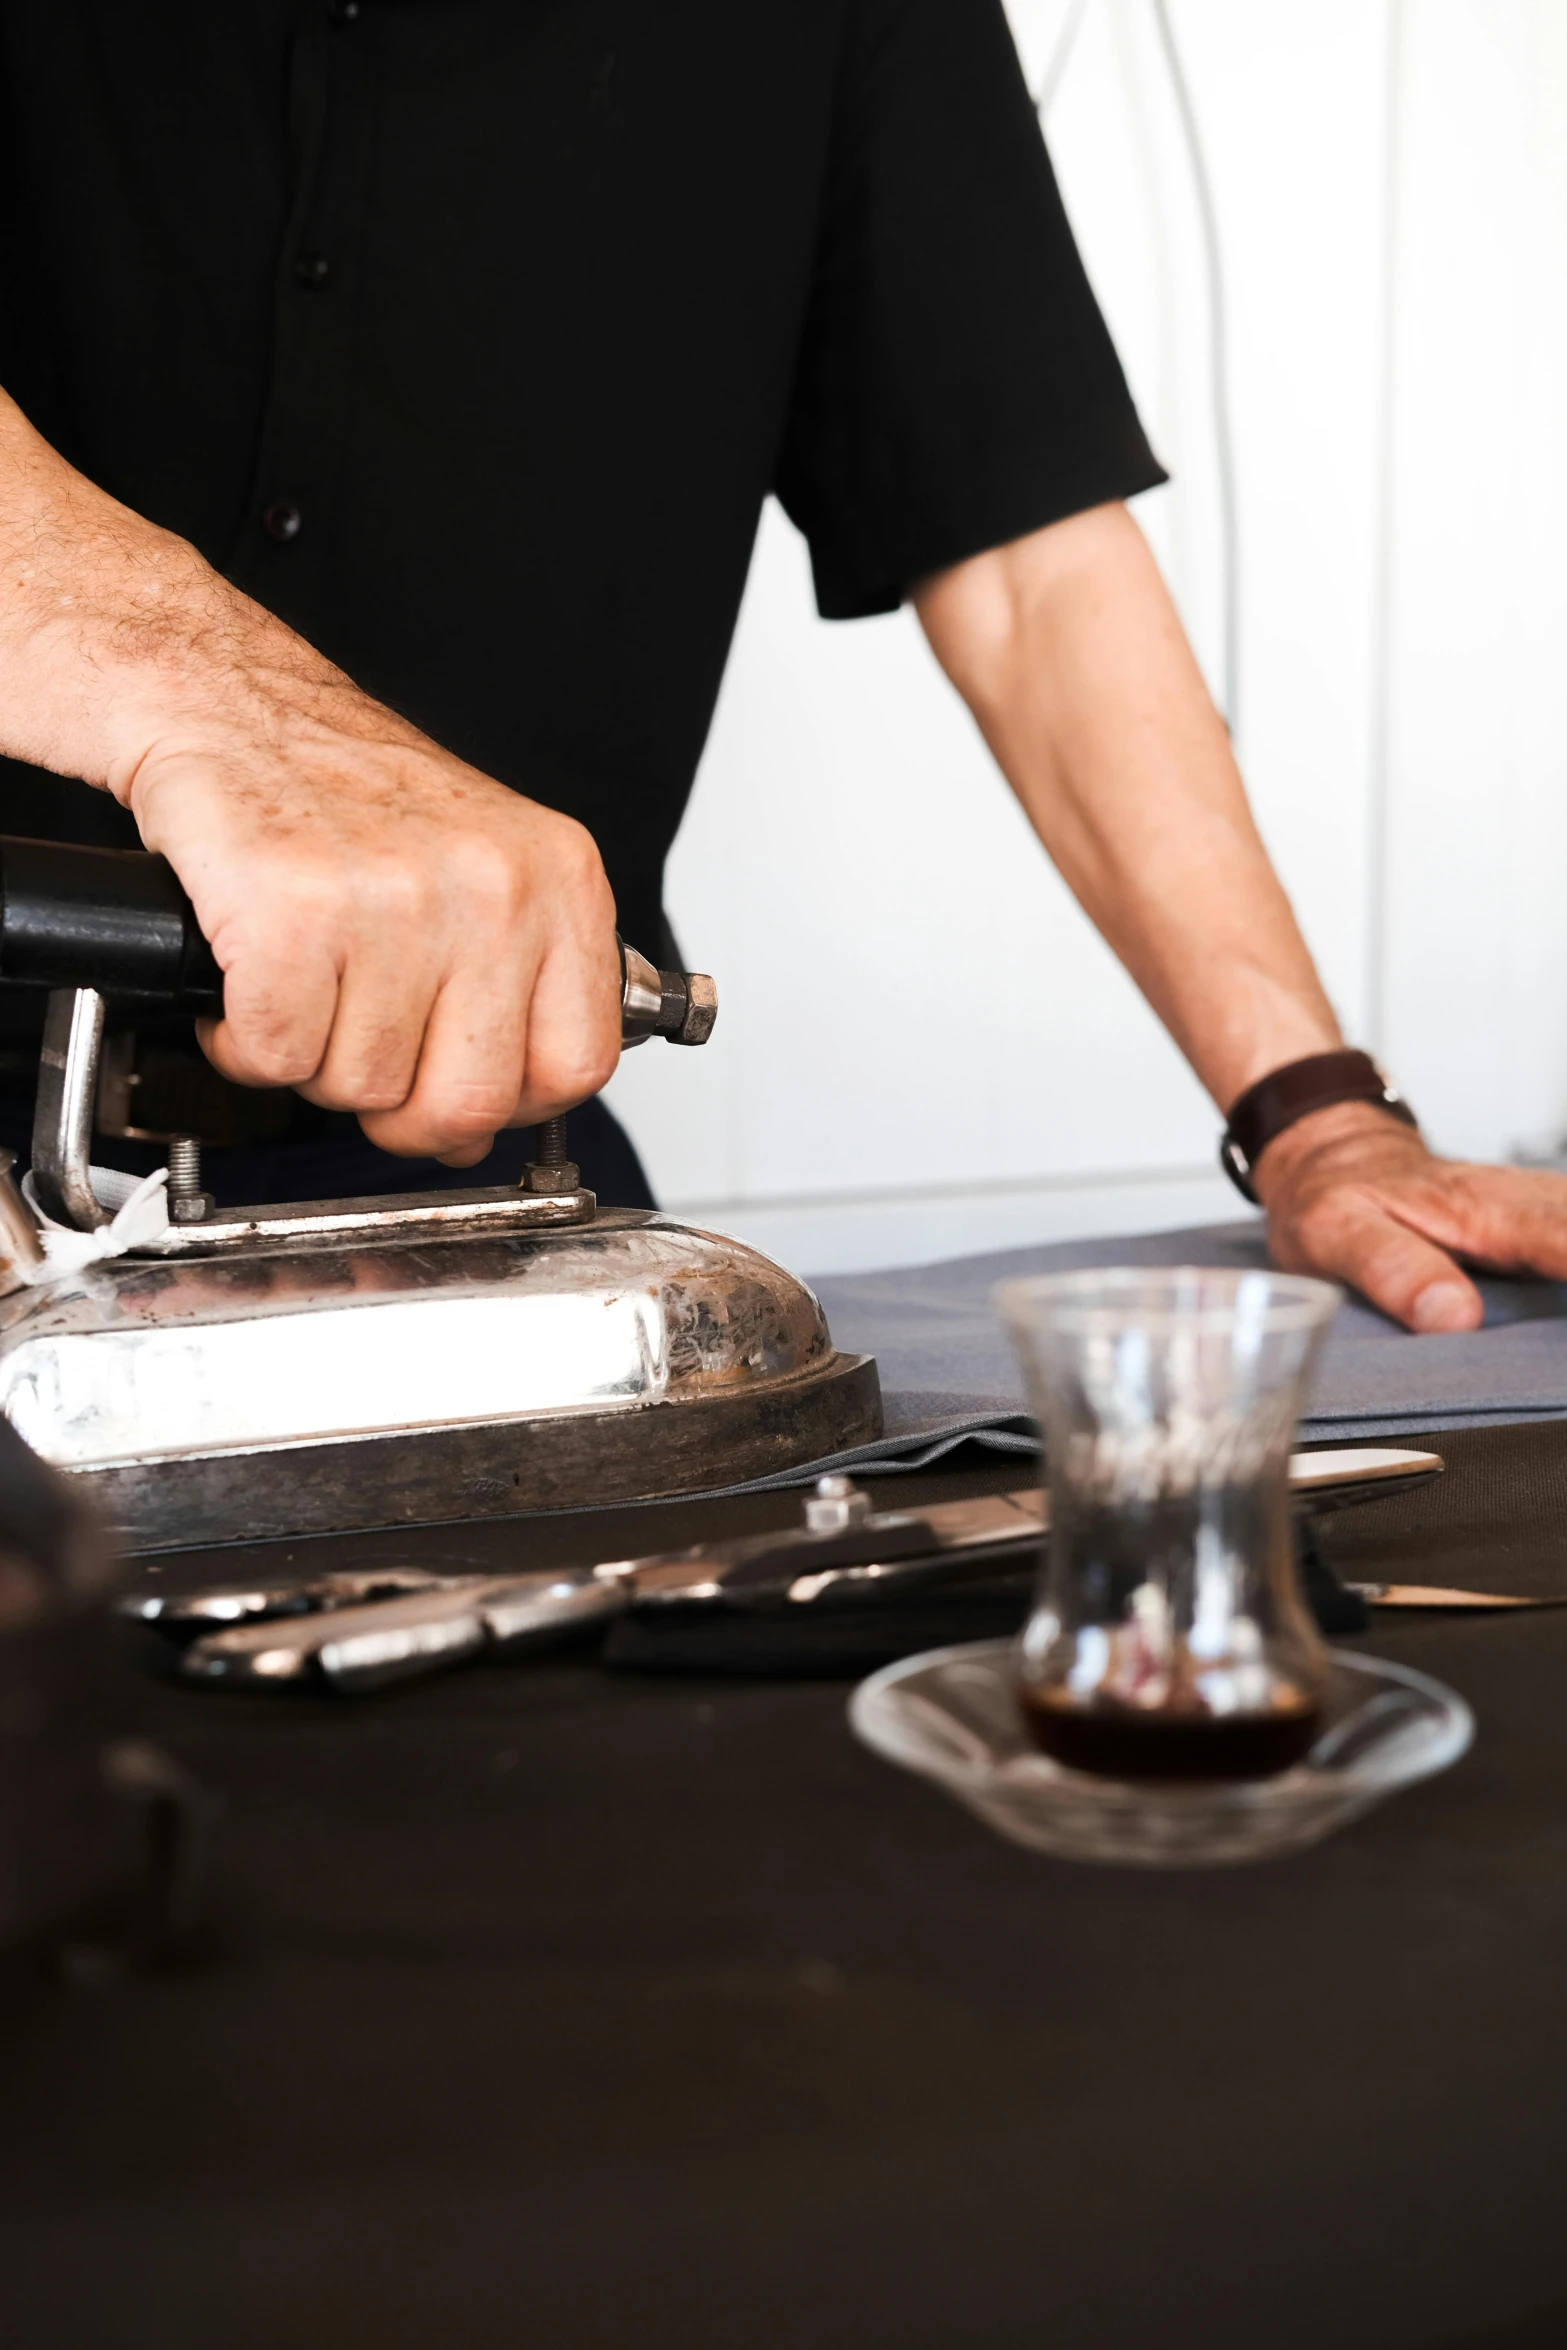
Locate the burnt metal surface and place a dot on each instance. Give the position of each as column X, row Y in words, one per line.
column 507, row 1469
column 330, row 1225
column 493, row 1469
column 303, row 1388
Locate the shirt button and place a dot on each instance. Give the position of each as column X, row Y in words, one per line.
column 343, row 11
column 282, row 519
column 312, row 269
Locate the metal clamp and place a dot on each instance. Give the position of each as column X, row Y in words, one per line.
column 63, row 1116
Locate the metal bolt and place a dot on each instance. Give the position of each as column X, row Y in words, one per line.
column 549, row 1169
column 701, row 1010
column 836, row 1505
column 188, row 1203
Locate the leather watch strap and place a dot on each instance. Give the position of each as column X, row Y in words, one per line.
column 1265, row 1109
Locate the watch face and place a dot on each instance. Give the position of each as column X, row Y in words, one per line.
column 1238, row 1167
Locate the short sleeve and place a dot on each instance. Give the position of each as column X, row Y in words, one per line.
column 956, row 385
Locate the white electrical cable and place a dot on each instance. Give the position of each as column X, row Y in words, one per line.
column 1218, row 366
column 1060, row 55
column 1218, row 322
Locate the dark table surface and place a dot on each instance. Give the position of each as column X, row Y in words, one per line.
column 546, row 2006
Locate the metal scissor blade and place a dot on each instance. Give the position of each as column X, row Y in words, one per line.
column 187, row 1614
column 356, row 1648
column 1442, row 1595
column 1341, row 1476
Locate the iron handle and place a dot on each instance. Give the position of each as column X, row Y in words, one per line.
column 117, row 921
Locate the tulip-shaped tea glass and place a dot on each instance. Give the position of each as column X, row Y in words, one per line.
column 1169, row 1637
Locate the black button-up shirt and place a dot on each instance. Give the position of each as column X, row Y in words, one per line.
column 470, row 335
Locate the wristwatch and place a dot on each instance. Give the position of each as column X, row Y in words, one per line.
column 1277, row 1100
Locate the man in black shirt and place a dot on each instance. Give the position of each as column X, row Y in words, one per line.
column 395, row 385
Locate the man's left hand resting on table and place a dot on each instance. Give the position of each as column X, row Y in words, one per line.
column 1353, row 1195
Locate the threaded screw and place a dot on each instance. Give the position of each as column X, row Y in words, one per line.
column 188, row 1203
column 550, row 1169
column 549, row 1142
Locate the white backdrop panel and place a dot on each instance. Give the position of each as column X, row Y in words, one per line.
column 1476, row 943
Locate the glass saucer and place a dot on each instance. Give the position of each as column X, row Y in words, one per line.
column 953, row 1715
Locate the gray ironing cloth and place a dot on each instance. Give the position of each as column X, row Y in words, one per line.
column 947, row 1370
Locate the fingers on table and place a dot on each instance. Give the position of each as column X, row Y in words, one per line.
column 1512, row 1218
column 1359, row 1241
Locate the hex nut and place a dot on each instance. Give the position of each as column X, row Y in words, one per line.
column 701, row 1009
column 552, row 1180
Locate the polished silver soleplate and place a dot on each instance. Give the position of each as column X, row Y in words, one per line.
column 301, row 1385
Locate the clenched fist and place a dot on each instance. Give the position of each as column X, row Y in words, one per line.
column 399, row 935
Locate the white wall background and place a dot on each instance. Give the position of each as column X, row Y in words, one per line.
column 957, row 1062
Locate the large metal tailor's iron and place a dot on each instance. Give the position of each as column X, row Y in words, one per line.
column 353, row 1363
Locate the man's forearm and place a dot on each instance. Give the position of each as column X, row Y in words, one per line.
column 89, row 597
column 112, row 629
column 1069, row 652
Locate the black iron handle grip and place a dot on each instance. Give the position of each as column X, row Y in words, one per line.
column 113, row 919
column 117, row 920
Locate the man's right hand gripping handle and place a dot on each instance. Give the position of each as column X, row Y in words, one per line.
column 399, row 935
column 118, row 921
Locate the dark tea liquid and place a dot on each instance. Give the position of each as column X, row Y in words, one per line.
column 1122, row 1742
column 1116, row 1553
